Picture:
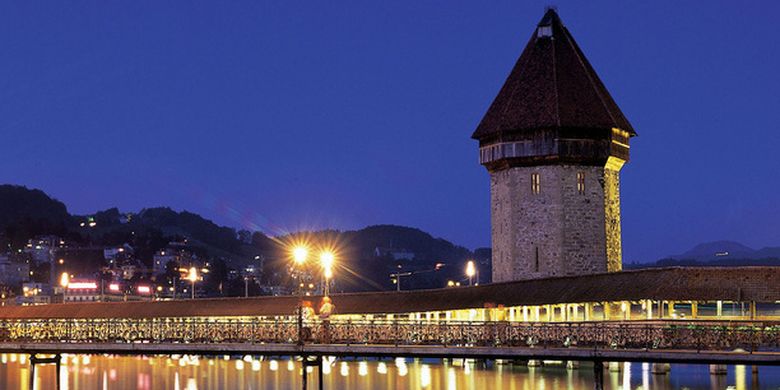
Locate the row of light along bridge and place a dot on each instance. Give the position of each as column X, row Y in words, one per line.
column 703, row 315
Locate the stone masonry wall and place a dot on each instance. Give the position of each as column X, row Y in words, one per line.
column 612, row 217
column 558, row 231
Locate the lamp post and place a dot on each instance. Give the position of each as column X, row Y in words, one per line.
column 64, row 282
column 471, row 270
column 193, row 277
column 397, row 277
column 299, row 255
column 326, row 260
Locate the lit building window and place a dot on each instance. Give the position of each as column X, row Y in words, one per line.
column 535, row 186
column 581, row 182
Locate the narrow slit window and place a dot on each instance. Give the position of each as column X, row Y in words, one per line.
column 581, row 182
column 536, row 262
column 535, row 183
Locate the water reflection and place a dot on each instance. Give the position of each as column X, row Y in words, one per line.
column 182, row 372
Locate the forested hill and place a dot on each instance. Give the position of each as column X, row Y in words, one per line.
column 25, row 213
column 367, row 255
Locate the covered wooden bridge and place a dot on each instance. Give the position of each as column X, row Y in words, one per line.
column 678, row 293
column 704, row 315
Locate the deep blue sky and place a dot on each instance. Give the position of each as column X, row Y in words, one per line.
column 283, row 115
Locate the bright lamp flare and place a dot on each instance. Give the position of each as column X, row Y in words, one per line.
column 193, row 275
column 64, row 279
column 300, row 253
column 326, row 258
column 470, row 269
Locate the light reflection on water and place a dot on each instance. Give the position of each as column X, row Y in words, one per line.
column 97, row 372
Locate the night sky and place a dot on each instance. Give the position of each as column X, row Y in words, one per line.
column 279, row 116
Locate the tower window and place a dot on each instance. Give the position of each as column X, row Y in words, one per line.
column 535, row 183
column 536, row 262
column 581, row 182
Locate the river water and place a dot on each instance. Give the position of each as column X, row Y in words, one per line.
column 100, row 372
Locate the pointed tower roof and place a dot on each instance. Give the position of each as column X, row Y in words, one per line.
column 552, row 86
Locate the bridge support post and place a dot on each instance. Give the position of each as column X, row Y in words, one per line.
column 35, row 360
column 304, row 373
column 31, row 382
column 718, row 369
column 660, row 368
column 58, row 365
column 320, row 378
column 598, row 375
column 317, row 363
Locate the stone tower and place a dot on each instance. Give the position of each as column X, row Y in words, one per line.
column 554, row 141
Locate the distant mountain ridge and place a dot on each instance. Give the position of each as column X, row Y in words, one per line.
column 721, row 250
column 367, row 255
column 722, row 253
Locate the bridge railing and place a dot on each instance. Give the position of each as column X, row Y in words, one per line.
column 750, row 336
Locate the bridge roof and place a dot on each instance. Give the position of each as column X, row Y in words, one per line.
column 678, row 283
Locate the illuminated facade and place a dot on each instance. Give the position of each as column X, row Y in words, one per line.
column 554, row 142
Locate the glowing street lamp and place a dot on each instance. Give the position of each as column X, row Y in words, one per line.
column 299, row 254
column 326, row 260
column 471, row 270
column 64, row 282
column 192, row 276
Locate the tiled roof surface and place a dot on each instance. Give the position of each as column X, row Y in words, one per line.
column 552, row 85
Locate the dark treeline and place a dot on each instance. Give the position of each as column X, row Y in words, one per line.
column 365, row 257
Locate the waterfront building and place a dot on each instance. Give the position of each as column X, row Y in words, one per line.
column 42, row 249
column 116, row 254
column 82, row 290
column 13, row 272
column 34, row 294
column 394, row 253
